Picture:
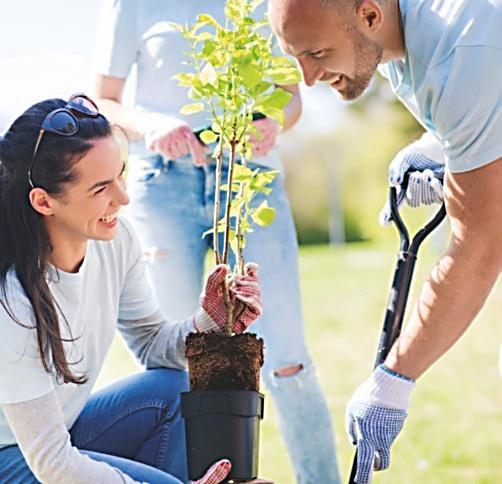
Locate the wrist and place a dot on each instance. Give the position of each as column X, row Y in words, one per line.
column 203, row 322
column 388, row 389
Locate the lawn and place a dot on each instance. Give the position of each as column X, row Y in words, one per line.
column 454, row 432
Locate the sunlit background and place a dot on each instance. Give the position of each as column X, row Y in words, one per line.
column 336, row 160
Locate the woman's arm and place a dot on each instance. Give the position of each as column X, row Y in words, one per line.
column 157, row 342
column 38, row 426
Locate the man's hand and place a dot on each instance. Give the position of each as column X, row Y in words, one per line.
column 216, row 473
column 244, row 292
column 174, row 138
column 424, row 162
column 374, row 417
column 268, row 129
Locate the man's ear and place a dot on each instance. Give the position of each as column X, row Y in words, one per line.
column 41, row 201
column 370, row 16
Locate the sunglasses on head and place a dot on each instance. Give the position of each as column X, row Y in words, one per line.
column 64, row 121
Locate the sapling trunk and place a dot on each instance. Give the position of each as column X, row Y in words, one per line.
column 217, row 194
column 226, row 242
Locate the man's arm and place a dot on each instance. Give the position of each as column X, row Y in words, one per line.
column 464, row 276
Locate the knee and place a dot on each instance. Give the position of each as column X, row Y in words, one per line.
column 289, row 370
column 296, row 375
column 167, row 382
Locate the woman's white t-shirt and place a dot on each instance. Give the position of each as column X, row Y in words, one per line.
column 110, row 285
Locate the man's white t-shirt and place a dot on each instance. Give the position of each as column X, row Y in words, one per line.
column 110, row 285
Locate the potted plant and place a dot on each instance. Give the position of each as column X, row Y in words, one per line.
column 234, row 77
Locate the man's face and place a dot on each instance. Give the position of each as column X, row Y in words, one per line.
column 327, row 43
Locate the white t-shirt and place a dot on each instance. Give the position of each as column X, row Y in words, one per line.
column 137, row 33
column 451, row 78
column 110, row 285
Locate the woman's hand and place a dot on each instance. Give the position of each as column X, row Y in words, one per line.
column 243, row 292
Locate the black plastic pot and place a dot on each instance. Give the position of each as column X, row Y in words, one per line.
column 223, row 425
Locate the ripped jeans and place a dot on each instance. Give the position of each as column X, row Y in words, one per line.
column 171, row 206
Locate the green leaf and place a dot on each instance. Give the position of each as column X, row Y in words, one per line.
column 208, row 75
column 263, row 215
column 241, row 173
column 208, row 136
column 185, row 79
column 192, row 108
column 284, row 75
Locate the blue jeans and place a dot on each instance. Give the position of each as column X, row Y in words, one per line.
column 134, row 425
column 171, row 206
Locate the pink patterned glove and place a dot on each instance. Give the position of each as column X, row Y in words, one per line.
column 174, row 138
column 268, row 129
column 244, row 292
column 216, row 473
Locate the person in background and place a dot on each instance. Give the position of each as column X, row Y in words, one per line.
column 71, row 272
column 171, row 183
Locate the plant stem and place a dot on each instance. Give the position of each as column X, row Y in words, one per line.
column 226, row 241
column 217, row 194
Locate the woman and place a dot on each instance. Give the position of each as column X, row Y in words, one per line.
column 69, row 270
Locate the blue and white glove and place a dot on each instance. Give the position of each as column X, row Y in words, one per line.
column 424, row 161
column 374, row 417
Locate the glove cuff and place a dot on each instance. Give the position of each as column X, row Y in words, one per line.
column 203, row 322
column 388, row 389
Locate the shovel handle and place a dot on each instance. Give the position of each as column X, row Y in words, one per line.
column 400, row 285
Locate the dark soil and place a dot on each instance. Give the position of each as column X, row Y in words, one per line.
column 219, row 362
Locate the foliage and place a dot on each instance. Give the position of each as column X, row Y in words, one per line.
column 233, row 76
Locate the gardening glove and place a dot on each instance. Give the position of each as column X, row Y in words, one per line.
column 424, row 162
column 263, row 143
column 374, row 417
column 173, row 138
column 244, row 292
column 216, row 473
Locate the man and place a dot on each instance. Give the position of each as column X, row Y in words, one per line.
column 443, row 59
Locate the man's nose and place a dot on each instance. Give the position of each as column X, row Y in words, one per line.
column 310, row 71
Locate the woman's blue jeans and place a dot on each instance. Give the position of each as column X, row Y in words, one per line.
column 134, row 425
column 171, row 207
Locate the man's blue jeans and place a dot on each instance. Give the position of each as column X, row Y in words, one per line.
column 134, row 425
column 171, row 207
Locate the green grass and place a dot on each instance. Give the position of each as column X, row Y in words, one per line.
column 454, row 432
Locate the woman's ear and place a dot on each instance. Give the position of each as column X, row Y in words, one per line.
column 42, row 202
column 370, row 16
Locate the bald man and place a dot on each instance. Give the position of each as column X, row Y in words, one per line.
column 443, row 59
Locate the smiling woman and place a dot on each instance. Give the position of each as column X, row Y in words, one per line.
column 70, row 268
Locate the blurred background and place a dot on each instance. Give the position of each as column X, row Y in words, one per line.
column 336, row 161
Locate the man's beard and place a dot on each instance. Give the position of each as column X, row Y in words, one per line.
column 368, row 56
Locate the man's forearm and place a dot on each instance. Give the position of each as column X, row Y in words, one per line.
column 449, row 301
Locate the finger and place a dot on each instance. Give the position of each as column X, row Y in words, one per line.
column 437, row 186
column 365, row 459
column 382, row 459
column 350, row 428
column 216, row 473
column 251, row 269
column 217, row 276
column 413, row 192
column 252, row 302
column 198, row 152
column 385, row 217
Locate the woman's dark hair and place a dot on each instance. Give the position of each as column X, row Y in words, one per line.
column 24, row 242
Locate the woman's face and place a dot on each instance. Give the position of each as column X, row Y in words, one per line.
column 89, row 206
